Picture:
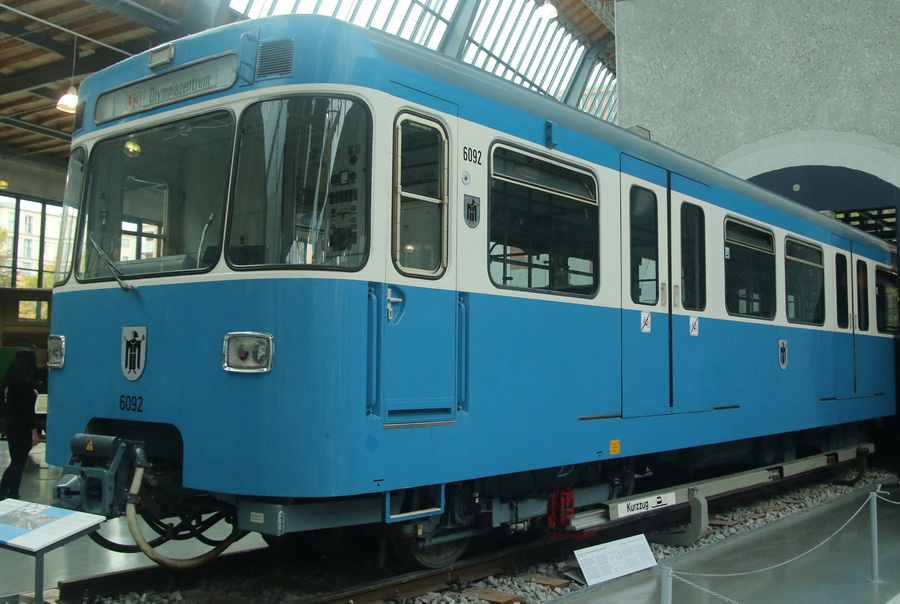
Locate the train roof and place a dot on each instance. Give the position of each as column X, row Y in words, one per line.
column 493, row 87
column 333, row 51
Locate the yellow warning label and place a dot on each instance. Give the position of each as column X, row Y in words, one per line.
column 615, row 447
column 90, row 445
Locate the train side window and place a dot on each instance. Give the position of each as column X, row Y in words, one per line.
column 693, row 257
column 862, row 296
column 644, row 235
column 543, row 225
column 842, row 291
column 749, row 271
column 420, row 197
column 804, row 275
column 887, row 302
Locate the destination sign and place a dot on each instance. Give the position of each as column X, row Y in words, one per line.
column 187, row 82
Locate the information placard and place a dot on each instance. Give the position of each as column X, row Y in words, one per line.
column 607, row 561
column 32, row 527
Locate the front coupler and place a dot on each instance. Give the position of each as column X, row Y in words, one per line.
column 98, row 475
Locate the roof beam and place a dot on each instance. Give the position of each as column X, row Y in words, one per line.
column 204, row 14
column 137, row 13
column 596, row 52
column 46, row 93
column 201, row 15
column 35, row 128
column 54, row 73
column 604, row 11
column 454, row 41
column 32, row 157
column 35, row 39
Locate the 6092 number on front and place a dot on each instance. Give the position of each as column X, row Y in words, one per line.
column 134, row 404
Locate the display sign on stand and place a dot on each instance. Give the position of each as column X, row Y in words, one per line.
column 615, row 559
column 35, row 529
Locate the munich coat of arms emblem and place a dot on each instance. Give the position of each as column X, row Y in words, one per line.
column 134, row 351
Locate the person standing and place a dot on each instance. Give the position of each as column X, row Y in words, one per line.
column 21, row 434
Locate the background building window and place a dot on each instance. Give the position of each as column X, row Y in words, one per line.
column 28, row 246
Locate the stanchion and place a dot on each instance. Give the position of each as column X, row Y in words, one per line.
column 873, row 533
column 665, row 587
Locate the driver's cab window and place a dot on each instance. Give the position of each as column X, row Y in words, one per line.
column 154, row 199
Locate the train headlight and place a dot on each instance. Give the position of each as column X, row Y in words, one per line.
column 248, row 352
column 56, row 351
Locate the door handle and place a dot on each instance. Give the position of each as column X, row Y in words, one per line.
column 391, row 300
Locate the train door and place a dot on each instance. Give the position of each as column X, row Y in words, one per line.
column 646, row 303
column 845, row 334
column 417, row 360
column 694, row 338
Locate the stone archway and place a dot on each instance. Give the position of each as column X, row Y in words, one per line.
column 815, row 147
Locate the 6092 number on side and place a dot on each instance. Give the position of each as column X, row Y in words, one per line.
column 134, row 404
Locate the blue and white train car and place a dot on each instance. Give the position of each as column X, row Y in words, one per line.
column 327, row 278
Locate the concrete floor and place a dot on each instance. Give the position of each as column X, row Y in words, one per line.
column 839, row 571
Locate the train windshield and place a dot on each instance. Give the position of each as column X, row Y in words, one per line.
column 300, row 197
column 155, row 199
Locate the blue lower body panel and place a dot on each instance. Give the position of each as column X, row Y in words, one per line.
column 446, row 387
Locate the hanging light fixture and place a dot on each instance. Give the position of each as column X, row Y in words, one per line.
column 546, row 10
column 69, row 101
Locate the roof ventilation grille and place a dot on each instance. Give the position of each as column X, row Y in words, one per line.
column 275, row 59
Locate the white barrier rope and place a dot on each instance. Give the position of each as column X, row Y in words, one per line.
column 680, row 575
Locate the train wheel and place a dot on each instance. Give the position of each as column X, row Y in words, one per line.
column 436, row 555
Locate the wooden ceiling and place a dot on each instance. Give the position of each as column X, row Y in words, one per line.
column 589, row 17
column 48, row 45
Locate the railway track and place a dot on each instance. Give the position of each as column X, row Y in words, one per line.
column 355, row 580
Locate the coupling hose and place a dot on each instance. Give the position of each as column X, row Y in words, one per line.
column 176, row 563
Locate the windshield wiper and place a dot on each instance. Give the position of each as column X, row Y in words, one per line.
column 203, row 237
column 112, row 267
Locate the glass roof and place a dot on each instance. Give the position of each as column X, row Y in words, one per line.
column 504, row 37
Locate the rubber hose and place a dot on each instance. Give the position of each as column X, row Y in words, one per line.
column 178, row 564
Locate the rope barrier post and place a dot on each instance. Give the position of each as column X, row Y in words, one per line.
column 873, row 533
column 665, row 587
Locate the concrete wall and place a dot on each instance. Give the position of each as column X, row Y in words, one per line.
column 32, row 179
column 756, row 86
